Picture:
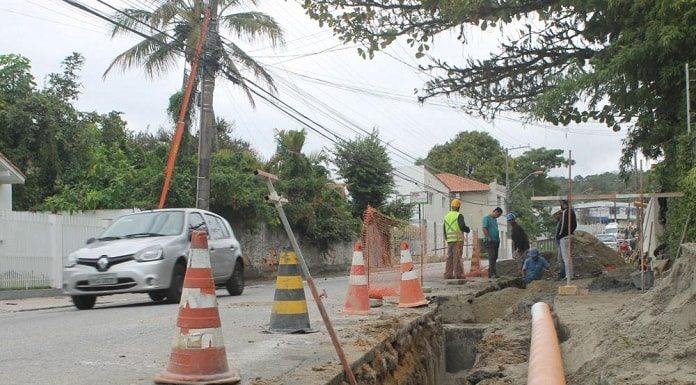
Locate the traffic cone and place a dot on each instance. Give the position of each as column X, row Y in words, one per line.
column 198, row 354
column 476, row 270
column 289, row 312
column 411, row 294
column 357, row 301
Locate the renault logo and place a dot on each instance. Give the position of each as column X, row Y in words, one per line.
column 103, row 263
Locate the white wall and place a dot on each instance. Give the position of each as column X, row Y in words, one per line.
column 34, row 245
column 432, row 213
column 5, row 197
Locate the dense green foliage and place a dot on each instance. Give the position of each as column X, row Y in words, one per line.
column 364, row 165
column 472, row 154
column 77, row 160
column 316, row 210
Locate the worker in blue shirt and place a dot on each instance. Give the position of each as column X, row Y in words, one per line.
column 534, row 266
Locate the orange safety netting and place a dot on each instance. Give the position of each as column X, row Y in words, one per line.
column 381, row 250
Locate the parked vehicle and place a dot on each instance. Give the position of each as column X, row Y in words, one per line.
column 611, row 228
column 146, row 252
column 608, row 239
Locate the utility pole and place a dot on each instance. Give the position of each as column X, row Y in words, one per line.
column 206, row 131
column 688, row 98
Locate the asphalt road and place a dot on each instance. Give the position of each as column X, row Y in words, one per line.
column 128, row 341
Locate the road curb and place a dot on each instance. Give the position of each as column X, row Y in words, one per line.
column 22, row 294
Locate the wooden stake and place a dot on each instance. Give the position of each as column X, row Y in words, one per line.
column 570, row 239
column 681, row 240
column 641, row 229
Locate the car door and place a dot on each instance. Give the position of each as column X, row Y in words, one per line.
column 217, row 245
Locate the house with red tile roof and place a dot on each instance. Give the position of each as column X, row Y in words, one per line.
column 9, row 175
column 478, row 200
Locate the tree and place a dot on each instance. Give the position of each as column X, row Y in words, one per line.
column 40, row 130
column 471, row 154
column 315, row 210
column 618, row 62
column 175, row 27
column 365, row 166
column 533, row 217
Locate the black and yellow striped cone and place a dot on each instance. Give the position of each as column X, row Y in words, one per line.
column 289, row 314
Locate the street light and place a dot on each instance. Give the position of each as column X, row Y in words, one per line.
column 533, row 173
column 508, row 193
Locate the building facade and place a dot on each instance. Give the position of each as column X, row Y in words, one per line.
column 478, row 200
column 9, row 175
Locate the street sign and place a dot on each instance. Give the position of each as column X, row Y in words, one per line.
column 419, row 197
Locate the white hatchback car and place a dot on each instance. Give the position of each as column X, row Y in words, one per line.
column 146, row 252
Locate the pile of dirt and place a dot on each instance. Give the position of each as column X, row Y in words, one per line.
column 590, row 256
column 618, row 280
column 652, row 338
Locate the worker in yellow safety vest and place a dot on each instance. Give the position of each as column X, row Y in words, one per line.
column 454, row 227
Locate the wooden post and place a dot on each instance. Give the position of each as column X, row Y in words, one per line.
column 570, row 239
column 641, row 229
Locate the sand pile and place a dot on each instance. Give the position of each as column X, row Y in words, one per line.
column 652, row 339
column 590, row 256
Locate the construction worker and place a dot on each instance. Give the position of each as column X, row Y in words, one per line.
column 520, row 240
column 454, row 227
column 564, row 230
column 534, row 266
column 492, row 239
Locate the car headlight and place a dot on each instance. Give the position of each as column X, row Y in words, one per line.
column 71, row 261
column 149, row 255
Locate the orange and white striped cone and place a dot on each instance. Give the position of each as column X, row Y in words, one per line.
column 198, row 354
column 411, row 294
column 357, row 301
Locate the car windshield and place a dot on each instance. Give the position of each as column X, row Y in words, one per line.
column 148, row 224
column 606, row 238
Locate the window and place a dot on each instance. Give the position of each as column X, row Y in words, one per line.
column 214, row 230
column 196, row 222
column 498, row 200
column 221, row 223
column 444, row 202
column 159, row 222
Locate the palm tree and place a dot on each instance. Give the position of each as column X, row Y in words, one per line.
column 173, row 28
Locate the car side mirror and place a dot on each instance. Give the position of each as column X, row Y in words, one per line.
column 91, row 240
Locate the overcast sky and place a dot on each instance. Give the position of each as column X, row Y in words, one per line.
column 316, row 74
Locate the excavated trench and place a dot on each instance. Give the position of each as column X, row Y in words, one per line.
column 475, row 338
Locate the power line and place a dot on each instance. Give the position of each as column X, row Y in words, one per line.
column 264, row 95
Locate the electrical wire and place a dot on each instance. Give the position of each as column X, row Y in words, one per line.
column 268, row 97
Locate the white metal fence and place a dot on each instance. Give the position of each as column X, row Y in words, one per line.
column 33, row 245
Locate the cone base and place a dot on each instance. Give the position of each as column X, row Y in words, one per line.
column 424, row 302
column 290, row 331
column 381, row 292
column 355, row 312
column 230, row 377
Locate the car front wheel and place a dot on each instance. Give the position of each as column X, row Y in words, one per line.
column 177, row 285
column 235, row 284
column 158, row 295
column 84, row 302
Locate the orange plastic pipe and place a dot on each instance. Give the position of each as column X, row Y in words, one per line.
column 174, row 150
column 545, row 362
